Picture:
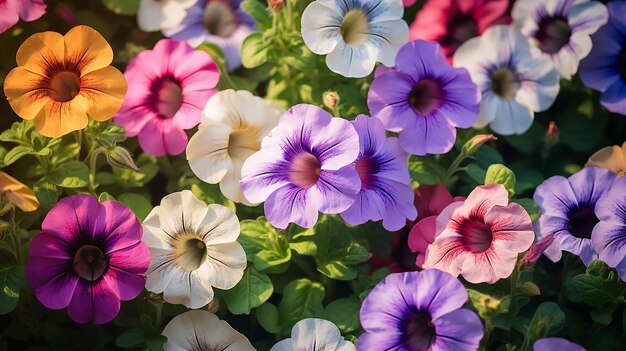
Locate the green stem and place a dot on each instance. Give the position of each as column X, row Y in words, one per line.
column 158, row 307
column 488, row 330
column 566, row 264
column 513, row 292
column 227, row 79
column 78, row 136
column 166, row 167
column 17, row 249
column 92, row 170
column 453, row 167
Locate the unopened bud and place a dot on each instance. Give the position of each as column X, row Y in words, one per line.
column 529, row 289
column 476, row 142
column 331, row 99
column 276, row 5
column 119, row 157
column 552, row 134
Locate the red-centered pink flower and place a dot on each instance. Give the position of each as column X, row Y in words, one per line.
column 481, row 237
column 12, row 10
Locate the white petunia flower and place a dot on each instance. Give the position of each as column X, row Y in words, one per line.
column 314, row 334
column 155, row 15
column 202, row 330
column 515, row 79
column 355, row 33
column 561, row 29
column 233, row 125
column 193, row 248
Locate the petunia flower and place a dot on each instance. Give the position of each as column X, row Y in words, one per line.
column 609, row 235
column 552, row 344
column 568, row 211
column 515, row 80
column 355, row 34
column 202, row 330
column 17, row 193
column 88, row 257
column 612, row 158
column 305, row 165
column 314, row 334
column 194, row 248
column 220, row 22
column 424, row 99
column 452, row 22
column 12, row 10
column 419, row 311
column 605, row 67
column 481, row 237
column 168, row 88
column 60, row 80
column 560, row 29
column 386, row 191
column 232, row 127
column 155, row 15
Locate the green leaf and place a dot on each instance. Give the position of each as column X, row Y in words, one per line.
column 215, row 52
column 548, row 320
column 253, row 289
column 475, row 172
column 602, row 316
column 500, row 174
column 211, row 194
column 265, row 247
column 267, row 315
column 344, row 313
column 301, row 299
column 12, row 280
column 140, row 205
column 122, row 7
column 46, row 192
column 259, row 12
column 156, row 343
column 16, row 153
column 254, row 50
column 131, row 337
column 600, row 285
column 531, row 207
column 105, row 197
column 425, row 170
column 73, row 174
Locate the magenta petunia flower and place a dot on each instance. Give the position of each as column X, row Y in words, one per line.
column 385, row 182
column 305, row 165
column 425, row 99
column 481, row 237
column 419, row 311
column 568, row 211
column 88, row 257
column 168, row 88
column 12, row 10
column 609, row 235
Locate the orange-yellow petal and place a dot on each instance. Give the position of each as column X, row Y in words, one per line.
column 17, row 193
column 26, row 92
column 59, row 118
column 86, row 50
column 104, row 92
column 612, row 158
column 41, row 53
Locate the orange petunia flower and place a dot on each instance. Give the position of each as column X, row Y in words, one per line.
column 17, row 193
column 612, row 158
column 62, row 79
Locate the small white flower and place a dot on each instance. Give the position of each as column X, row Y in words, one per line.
column 193, row 248
column 355, row 34
column 314, row 334
column 202, row 330
column 155, row 15
column 515, row 79
column 233, row 125
column 561, row 29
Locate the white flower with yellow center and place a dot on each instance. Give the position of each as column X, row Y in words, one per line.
column 314, row 334
column 233, row 125
column 193, row 248
column 155, row 15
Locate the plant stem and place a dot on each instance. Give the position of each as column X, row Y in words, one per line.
column 16, row 243
column 78, row 136
column 513, row 293
column 453, row 167
column 93, row 158
column 158, row 307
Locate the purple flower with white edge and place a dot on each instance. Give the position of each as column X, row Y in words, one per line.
column 220, row 22
column 560, row 28
column 305, row 165
column 424, row 98
column 515, row 79
column 419, row 311
column 552, row 344
column 568, row 211
column 386, row 191
column 605, row 67
column 609, row 235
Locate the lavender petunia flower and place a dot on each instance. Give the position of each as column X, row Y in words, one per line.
column 419, row 311
column 386, row 191
column 605, row 67
column 609, row 235
column 305, row 165
column 568, row 211
column 220, row 22
column 552, row 344
column 424, row 99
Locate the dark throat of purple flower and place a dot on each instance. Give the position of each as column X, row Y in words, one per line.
column 553, row 34
column 476, row 236
column 304, row 170
column 90, row 263
column 581, row 222
column 621, row 62
column 167, row 96
column 420, row 332
column 366, row 167
column 219, row 18
column 460, row 28
column 426, row 96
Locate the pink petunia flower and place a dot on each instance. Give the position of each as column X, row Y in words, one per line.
column 12, row 10
column 481, row 237
column 168, row 88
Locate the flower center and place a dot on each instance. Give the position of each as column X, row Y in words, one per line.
column 460, row 30
column 305, row 170
column 581, row 222
column 420, row 332
column 504, row 83
column 621, row 62
column 242, row 143
column 64, row 86
column 354, row 27
column 476, row 236
column 90, row 263
column 189, row 252
column 553, row 34
column 170, row 98
column 219, row 18
column 366, row 168
column 426, row 96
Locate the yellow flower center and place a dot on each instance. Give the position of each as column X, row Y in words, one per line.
column 242, row 142
column 189, row 252
column 64, row 86
column 354, row 27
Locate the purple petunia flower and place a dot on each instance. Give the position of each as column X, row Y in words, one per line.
column 88, row 257
column 220, row 22
column 609, row 235
column 605, row 67
column 552, row 344
column 424, row 98
column 386, row 191
column 419, row 311
column 568, row 211
column 304, row 166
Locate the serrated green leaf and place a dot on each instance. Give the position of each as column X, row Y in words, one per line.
column 253, row 289
column 73, row 174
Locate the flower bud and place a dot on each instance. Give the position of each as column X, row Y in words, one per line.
column 276, row 5
column 552, row 134
column 473, row 144
column 119, row 157
column 331, row 99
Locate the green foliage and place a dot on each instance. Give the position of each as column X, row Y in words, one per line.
column 301, row 299
column 500, row 174
column 600, row 285
column 73, row 174
column 122, row 7
column 12, row 280
column 253, row 289
column 146, row 335
column 345, row 313
column 265, row 247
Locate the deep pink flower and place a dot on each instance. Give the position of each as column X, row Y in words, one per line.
column 480, row 237
column 12, row 10
column 88, row 257
column 168, row 88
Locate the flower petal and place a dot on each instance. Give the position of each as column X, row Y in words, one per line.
column 86, row 50
column 94, row 303
column 104, row 90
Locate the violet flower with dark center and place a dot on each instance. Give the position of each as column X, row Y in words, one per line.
column 553, row 34
column 609, row 235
